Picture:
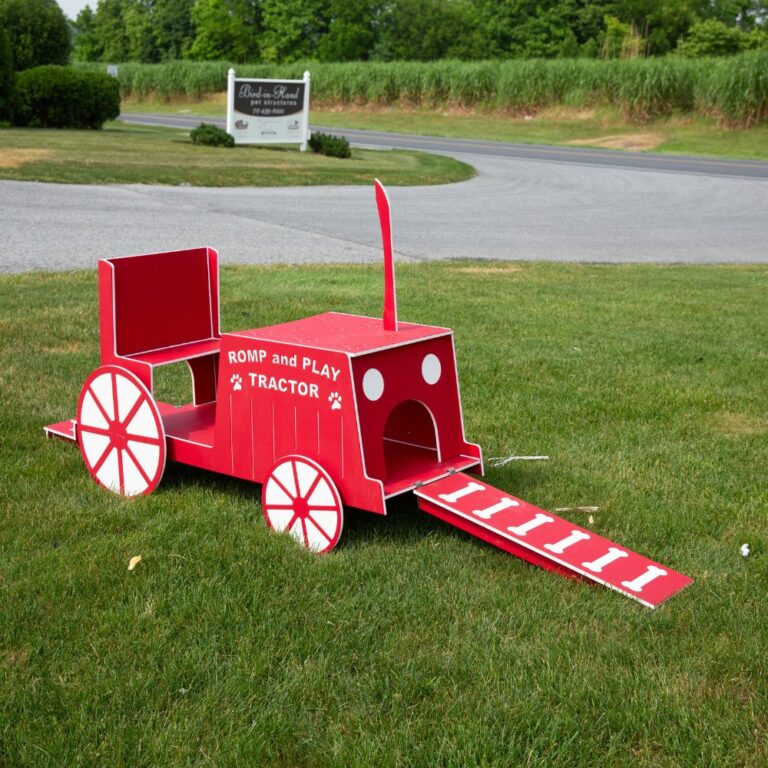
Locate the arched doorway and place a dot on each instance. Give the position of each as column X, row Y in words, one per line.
column 410, row 441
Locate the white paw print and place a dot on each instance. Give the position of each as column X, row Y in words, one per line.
column 335, row 400
column 236, row 381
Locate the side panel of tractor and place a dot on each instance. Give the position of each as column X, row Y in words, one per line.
column 276, row 399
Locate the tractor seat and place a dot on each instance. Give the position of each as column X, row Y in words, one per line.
column 162, row 308
column 178, row 352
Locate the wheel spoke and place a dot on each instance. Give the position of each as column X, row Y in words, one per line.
column 142, row 439
column 291, row 522
column 99, row 405
column 94, row 430
column 312, row 487
column 284, row 489
column 134, row 410
column 320, row 528
column 138, row 466
column 97, row 466
column 120, row 472
column 115, row 405
column 296, row 480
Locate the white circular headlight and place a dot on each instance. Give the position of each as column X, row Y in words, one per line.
column 373, row 384
column 431, row 369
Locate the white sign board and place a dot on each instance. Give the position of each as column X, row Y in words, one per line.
column 268, row 111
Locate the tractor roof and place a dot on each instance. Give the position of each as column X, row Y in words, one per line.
column 351, row 334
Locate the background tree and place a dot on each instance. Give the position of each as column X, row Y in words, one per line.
column 174, row 30
column 620, row 40
column 744, row 14
column 109, row 29
column 227, row 29
column 547, row 28
column 351, row 34
column 37, row 31
column 660, row 22
column 293, row 29
column 140, row 31
column 87, row 45
column 6, row 75
column 356, row 30
column 423, row 30
column 712, row 38
column 757, row 39
column 136, row 30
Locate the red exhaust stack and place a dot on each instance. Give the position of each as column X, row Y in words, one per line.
column 390, row 296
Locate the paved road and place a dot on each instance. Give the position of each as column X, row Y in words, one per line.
column 571, row 155
column 518, row 207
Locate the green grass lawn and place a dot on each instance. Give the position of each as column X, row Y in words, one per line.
column 683, row 136
column 598, row 128
column 122, row 154
column 411, row 644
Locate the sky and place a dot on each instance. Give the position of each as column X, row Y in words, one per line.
column 72, row 7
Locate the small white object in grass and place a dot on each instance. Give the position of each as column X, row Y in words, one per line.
column 133, row 562
column 744, row 550
column 500, row 461
column 591, row 520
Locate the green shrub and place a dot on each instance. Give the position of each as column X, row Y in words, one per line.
column 211, row 136
column 333, row 146
column 65, row 97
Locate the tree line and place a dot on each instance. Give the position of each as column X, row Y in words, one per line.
column 280, row 31
column 283, row 31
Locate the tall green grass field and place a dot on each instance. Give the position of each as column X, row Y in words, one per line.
column 733, row 89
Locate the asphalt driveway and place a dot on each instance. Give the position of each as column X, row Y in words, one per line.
column 517, row 207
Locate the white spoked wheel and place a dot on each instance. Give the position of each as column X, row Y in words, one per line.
column 120, row 432
column 299, row 497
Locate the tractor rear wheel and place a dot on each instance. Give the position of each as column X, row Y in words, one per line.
column 300, row 497
column 120, row 432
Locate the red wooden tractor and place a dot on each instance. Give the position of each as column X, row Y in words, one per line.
column 326, row 411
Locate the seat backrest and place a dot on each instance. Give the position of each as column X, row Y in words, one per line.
column 158, row 300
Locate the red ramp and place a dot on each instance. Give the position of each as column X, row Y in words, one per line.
column 544, row 539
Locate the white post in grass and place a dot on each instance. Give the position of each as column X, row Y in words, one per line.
column 231, row 102
column 305, row 127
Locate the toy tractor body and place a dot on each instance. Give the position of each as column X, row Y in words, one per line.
column 323, row 412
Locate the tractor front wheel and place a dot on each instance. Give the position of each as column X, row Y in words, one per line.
column 300, row 497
